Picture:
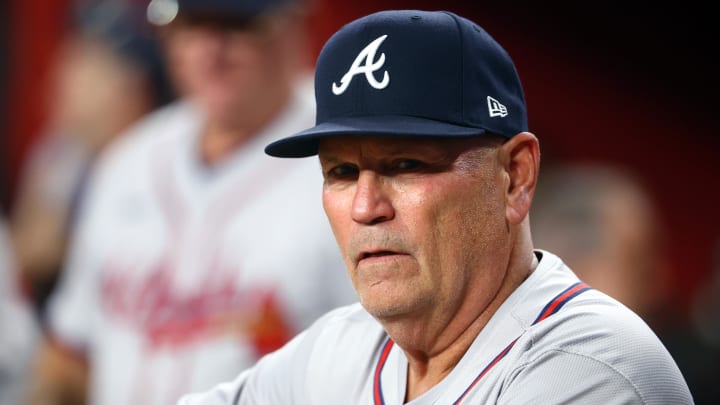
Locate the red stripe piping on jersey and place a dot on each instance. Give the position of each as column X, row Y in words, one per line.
column 552, row 307
column 561, row 299
column 377, row 386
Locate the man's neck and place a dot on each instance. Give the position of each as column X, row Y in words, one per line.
column 217, row 144
column 430, row 360
column 425, row 371
column 223, row 135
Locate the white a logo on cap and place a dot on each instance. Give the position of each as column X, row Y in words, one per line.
column 367, row 55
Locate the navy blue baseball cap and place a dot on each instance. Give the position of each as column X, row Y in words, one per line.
column 411, row 73
column 161, row 12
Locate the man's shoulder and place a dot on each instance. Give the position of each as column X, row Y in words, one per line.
column 592, row 321
column 595, row 348
column 335, row 353
column 602, row 331
column 347, row 331
column 351, row 318
column 598, row 317
column 584, row 321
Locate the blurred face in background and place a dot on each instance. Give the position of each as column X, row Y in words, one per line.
column 234, row 67
column 605, row 226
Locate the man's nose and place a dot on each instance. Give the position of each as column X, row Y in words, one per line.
column 371, row 203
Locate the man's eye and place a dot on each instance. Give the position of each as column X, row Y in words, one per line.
column 407, row 164
column 342, row 171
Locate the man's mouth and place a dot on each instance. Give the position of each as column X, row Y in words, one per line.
column 365, row 255
column 371, row 254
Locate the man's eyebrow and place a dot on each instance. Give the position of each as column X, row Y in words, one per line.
column 329, row 159
column 409, row 149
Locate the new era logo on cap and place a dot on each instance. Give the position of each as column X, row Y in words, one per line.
column 495, row 108
column 411, row 73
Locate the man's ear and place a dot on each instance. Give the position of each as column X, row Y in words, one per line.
column 520, row 156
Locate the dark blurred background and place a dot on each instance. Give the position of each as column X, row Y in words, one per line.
column 628, row 84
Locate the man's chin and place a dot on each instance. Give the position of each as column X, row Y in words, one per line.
column 386, row 308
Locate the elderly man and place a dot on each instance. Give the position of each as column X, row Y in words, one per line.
column 429, row 174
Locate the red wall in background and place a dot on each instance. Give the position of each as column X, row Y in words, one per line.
column 597, row 87
column 36, row 27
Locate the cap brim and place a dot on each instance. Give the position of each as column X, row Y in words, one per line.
column 306, row 143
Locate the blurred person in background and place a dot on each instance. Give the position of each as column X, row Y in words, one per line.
column 107, row 74
column 19, row 328
column 601, row 220
column 195, row 253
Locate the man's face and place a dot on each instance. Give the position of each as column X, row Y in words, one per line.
column 419, row 221
column 228, row 64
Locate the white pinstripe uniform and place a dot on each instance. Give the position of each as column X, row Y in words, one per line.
column 554, row 340
column 182, row 274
